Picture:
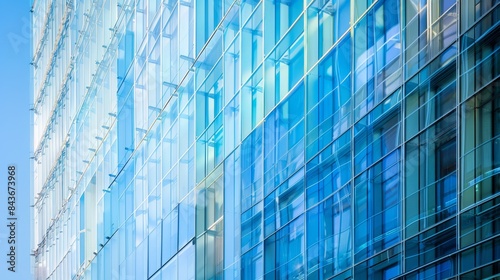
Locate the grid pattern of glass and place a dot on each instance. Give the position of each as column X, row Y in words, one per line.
column 271, row 139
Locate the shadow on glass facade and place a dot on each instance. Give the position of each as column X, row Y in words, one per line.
column 272, row 139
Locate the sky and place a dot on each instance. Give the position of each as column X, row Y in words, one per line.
column 15, row 56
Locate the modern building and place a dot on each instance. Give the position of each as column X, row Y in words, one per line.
column 272, row 139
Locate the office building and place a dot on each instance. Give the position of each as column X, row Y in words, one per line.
column 272, row 139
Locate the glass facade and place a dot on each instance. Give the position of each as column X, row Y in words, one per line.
column 271, row 139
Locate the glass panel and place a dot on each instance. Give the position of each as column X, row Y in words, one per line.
column 377, row 213
column 431, row 245
column 329, row 232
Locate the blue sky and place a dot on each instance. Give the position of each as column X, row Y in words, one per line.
column 15, row 45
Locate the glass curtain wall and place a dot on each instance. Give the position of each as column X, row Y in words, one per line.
column 271, row 139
